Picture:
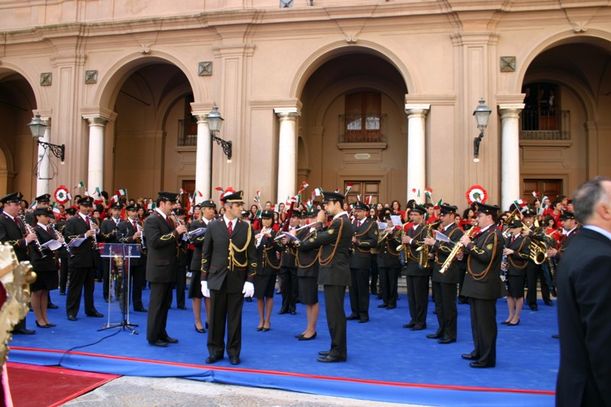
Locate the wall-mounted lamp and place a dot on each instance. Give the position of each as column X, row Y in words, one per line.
column 215, row 122
column 482, row 114
column 37, row 128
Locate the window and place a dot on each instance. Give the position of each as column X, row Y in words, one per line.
column 187, row 126
column 363, row 117
column 367, row 190
column 542, row 118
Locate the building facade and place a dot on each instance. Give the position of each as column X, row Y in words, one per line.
column 376, row 94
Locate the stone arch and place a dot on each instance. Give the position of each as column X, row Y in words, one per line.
column 337, row 48
column 6, row 69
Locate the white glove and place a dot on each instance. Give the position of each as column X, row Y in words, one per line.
column 248, row 290
column 205, row 291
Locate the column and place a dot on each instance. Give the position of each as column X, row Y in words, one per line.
column 95, row 171
column 287, row 152
column 43, row 176
column 203, row 158
column 416, row 152
column 510, row 153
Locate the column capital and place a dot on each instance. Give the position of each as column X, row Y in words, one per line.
column 287, row 112
column 417, row 108
column 200, row 110
column 97, row 116
column 508, row 110
column 96, row 120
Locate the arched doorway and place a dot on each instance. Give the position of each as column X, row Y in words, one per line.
column 153, row 138
column 353, row 126
column 565, row 129
column 18, row 150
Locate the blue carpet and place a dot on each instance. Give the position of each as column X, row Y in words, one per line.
column 385, row 361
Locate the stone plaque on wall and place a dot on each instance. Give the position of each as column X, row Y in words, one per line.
column 91, row 77
column 46, row 79
column 508, row 64
column 204, row 68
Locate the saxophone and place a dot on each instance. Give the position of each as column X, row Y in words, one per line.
column 424, row 249
column 457, row 248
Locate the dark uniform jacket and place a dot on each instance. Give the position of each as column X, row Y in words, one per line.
column 288, row 257
column 584, row 315
column 484, row 255
column 335, row 243
column 86, row 254
column 366, row 238
column 388, row 256
column 14, row 234
column 45, row 260
column 518, row 260
column 268, row 256
column 442, row 250
column 126, row 232
column 219, row 265
column 109, row 231
column 307, row 258
column 196, row 259
column 413, row 267
column 162, row 249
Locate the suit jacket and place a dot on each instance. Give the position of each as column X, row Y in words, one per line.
column 125, row 234
column 307, row 258
column 584, row 315
column 12, row 233
column 413, row 267
column 44, row 261
column 109, row 231
column 442, row 250
column 162, row 249
column 268, row 256
column 366, row 239
column 219, row 266
column 335, row 243
column 484, row 255
column 387, row 255
column 287, row 259
column 196, row 259
column 86, row 255
column 517, row 262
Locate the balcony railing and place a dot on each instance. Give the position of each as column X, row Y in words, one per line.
column 536, row 126
column 185, row 140
column 361, row 128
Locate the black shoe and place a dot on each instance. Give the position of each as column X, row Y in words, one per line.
column 445, row 341
column 469, row 356
column 303, row 338
column 71, row 318
column 265, row 329
column 42, row 326
column 436, row 335
column 213, row 359
column 283, row 311
column 382, row 305
column 505, row 322
column 331, row 359
column 409, row 325
column 159, row 342
column 50, row 325
column 391, row 307
column 25, row 331
column 52, row 306
column 363, row 320
column 181, row 307
column 259, row 328
column 95, row 314
column 419, row 327
column 517, row 323
column 553, row 292
column 556, row 336
column 140, row 309
column 548, row 303
column 169, row 339
column 62, row 293
column 234, row 360
column 481, row 364
column 199, row 330
column 324, row 353
column 293, row 312
column 352, row 317
column 534, row 307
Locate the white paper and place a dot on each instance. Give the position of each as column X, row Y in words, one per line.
column 382, row 225
column 51, row 245
column 77, row 242
column 396, row 220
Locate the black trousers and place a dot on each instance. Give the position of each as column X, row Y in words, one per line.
column 389, row 280
column 359, row 292
column 157, row 317
column 81, row 279
column 181, row 285
column 418, row 298
column 374, row 274
column 138, row 276
column 534, row 273
column 445, row 307
column 225, row 309
column 288, row 288
column 484, row 330
column 336, row 319
column 64, row 258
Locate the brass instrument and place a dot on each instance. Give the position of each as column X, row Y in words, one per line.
column 457, row 248
column 424, row 249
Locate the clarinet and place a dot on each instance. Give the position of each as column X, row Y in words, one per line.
column 29, row 230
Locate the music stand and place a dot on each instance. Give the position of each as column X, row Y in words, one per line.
column 123, row 252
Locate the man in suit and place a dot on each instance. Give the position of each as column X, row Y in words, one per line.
column 13, row 232
column 64, row 256
column 334, row 271
column 229, row 264
column 389, row 263
column 483, row 285
column 288, row 271
column 444, row 285
column 584, row 302
column 162, row 236
column 83, row 260
column 109, row 233
column 130, row 232
column 364, row 238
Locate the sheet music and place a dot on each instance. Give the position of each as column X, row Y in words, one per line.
column 77, row 242
column 51, row 245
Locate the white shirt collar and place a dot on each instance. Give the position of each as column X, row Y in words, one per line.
column 85, row 217
column 600, row 230
column 568, row 232
column 233, row 222
column 448, row 227
column 340, row 214
column 163, row 215
column 482, row 230
column 42, row 226
column 12, row 217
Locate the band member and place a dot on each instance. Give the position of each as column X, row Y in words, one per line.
column 288, row 272
column 208, row 209
column 130, row 231
column 162, row 235
column 334, row 272
column 389, row 264
column 109, row 233
column 444, row 285
column 364, row 237
column 534, row 272
column 182, row 261
column 483, row 285
column 307, row 273
column 268, row 264
column 516, row 255
column 229, row 262
column 83, row 260
column 584, row 302
column 64, row 256
column 13, row 231
column 416, row 275
column 44, row 264
column 42, row 201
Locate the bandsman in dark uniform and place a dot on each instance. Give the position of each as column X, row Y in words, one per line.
column 389, row 264
column 288, row 272
column 229, row 263
column 483, row 285
column 444, row 285
column 109, row 233
column 162, row 236
column 268, row 264
column 130, row 232
column 364, row 238
column 181, row 270
column 534, row 271
column 64, row 256
column 83, row 260
column 13, row 231
column 42, row 201
column 515, row 260
column 417, row 277
column 334, row 273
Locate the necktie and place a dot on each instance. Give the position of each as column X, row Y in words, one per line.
column 135, row 225
column 88, row 222
column 358, row 223
column 230, row 228
column 170, row 222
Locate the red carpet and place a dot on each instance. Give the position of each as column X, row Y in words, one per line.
column 38, row 386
